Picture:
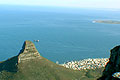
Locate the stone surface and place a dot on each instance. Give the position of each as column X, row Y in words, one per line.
column 113, row 65
column 28, row 52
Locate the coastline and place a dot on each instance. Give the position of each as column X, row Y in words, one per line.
column 106, row 21
column 86, row 64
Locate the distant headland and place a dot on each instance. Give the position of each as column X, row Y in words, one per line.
column 106, row 21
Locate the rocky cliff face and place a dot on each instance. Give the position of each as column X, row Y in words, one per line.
column 28, row 52
column 112, row 66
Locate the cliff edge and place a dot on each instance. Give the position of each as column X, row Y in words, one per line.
column 28, row 52
column 113, row 66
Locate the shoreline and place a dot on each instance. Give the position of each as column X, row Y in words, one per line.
column 86, row 64
column 106, row 21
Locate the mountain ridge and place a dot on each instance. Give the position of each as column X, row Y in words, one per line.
column 30, row 65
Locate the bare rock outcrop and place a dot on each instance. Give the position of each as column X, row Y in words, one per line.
column 112, row 66
column 28, row 52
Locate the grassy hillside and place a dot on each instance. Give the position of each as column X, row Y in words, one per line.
column 41, row 68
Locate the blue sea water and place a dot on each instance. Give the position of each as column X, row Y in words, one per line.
column 64, row 34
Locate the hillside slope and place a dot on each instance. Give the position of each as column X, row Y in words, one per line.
column 30, row 65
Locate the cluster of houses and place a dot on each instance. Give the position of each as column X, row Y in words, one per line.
column 86, row 64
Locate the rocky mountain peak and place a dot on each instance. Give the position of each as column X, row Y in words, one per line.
column 112, row 66
column 28, row 52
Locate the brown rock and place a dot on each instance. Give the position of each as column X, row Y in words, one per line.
column 28, row 52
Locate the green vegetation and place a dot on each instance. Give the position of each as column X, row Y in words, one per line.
column 43, row 69
column 40, row 68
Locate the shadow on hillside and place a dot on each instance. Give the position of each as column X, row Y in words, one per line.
column 9, row 65
column 21, row 51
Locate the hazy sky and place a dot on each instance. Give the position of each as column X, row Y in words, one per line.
column 67, row 3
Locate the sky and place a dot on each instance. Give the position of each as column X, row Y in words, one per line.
column 66, row 3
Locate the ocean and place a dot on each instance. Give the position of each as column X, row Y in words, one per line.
column 64, row 34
